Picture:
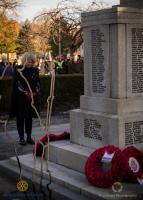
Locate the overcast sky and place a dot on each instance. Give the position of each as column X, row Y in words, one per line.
column 31, row 7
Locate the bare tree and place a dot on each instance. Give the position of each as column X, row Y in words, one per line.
column 63, row 23
column 9, row 5
column 97, row 5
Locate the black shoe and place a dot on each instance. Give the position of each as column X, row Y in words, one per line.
column 30, row 141
column 22, row 142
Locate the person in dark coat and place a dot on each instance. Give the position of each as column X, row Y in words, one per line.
column 5, row 67
column 14, row 64
column 22, row 97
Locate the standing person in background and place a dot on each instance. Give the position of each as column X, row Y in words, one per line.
column 5, row 67
column 21, row 97
column 15, row 63
column 59, row 65
column 79, row 65
column 46, row 67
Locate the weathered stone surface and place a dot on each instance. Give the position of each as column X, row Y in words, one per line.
column 135, row 60
column 111, row 108
column 93, row 129
column 98, row 129
column 110, row 105
column 69, row 155
column 132, row 3
column 115, row 15
column 97, row 71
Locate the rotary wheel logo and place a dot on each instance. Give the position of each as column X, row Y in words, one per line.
column 117, row 187
column 22, row 186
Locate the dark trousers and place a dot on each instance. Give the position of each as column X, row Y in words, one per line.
column 24, row 125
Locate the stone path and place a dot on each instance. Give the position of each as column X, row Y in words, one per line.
column 7, row 151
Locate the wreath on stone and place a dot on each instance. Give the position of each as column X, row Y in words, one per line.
column 93, row 167
column 134, row 164
column 52, row 137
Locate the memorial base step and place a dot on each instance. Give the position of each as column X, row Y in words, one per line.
column 72, row 184
column 69, row 154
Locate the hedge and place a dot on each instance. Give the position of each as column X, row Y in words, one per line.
column 68, row 89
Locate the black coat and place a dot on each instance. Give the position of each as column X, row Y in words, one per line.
column 20, row 101
column 9, row 70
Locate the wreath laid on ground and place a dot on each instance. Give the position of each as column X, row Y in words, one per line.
column 124, row 165
column 52, row 137
column 93, row 167
column 134, row 164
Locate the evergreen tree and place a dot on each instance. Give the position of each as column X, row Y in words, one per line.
column 24, row 40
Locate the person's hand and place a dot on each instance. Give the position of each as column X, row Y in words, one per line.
column 29, row 95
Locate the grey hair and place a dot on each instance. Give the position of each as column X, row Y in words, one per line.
column 3, row 57
column 26, row 57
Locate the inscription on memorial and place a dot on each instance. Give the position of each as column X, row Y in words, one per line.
column 137, row 60
column 97, row 39
column 133, row 132
column 92, row 129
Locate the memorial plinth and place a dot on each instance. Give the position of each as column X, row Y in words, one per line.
column 132, row 3
column 111, row 109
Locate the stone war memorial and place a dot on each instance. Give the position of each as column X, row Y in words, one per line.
column 111, row 109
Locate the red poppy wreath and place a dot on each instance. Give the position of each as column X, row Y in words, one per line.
column 93, row 167
column 134, row 164
column 52, row 137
